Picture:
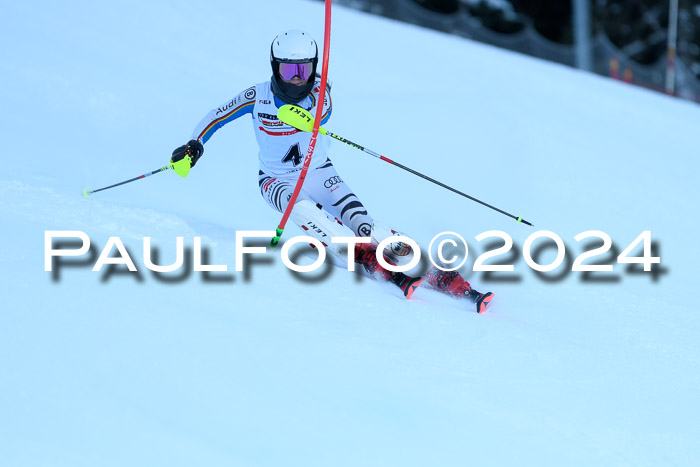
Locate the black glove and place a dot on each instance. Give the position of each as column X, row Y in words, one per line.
column 194, row 149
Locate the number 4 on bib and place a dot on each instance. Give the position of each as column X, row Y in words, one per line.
column 293, row 155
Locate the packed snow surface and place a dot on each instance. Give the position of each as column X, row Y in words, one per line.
column 265, row 367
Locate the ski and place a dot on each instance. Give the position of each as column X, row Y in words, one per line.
column 481, row 300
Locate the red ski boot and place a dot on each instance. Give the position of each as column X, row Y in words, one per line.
column 366, row 255
column 452, row 283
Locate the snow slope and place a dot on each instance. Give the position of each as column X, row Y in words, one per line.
column 269, row 368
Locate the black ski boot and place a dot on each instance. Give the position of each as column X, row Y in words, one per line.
column 482, row 300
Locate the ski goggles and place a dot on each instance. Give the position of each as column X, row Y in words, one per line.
column 290, row 70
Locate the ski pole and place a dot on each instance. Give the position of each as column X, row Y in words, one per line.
column 303, row 121
column 88, row 193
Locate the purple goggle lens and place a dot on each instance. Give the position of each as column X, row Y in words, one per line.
column 290, row 70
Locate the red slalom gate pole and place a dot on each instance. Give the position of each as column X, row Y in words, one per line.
column 314, row 135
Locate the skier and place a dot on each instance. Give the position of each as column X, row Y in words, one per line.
column 326, row 206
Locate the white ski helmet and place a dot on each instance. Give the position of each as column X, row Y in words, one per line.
column 295, row 47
